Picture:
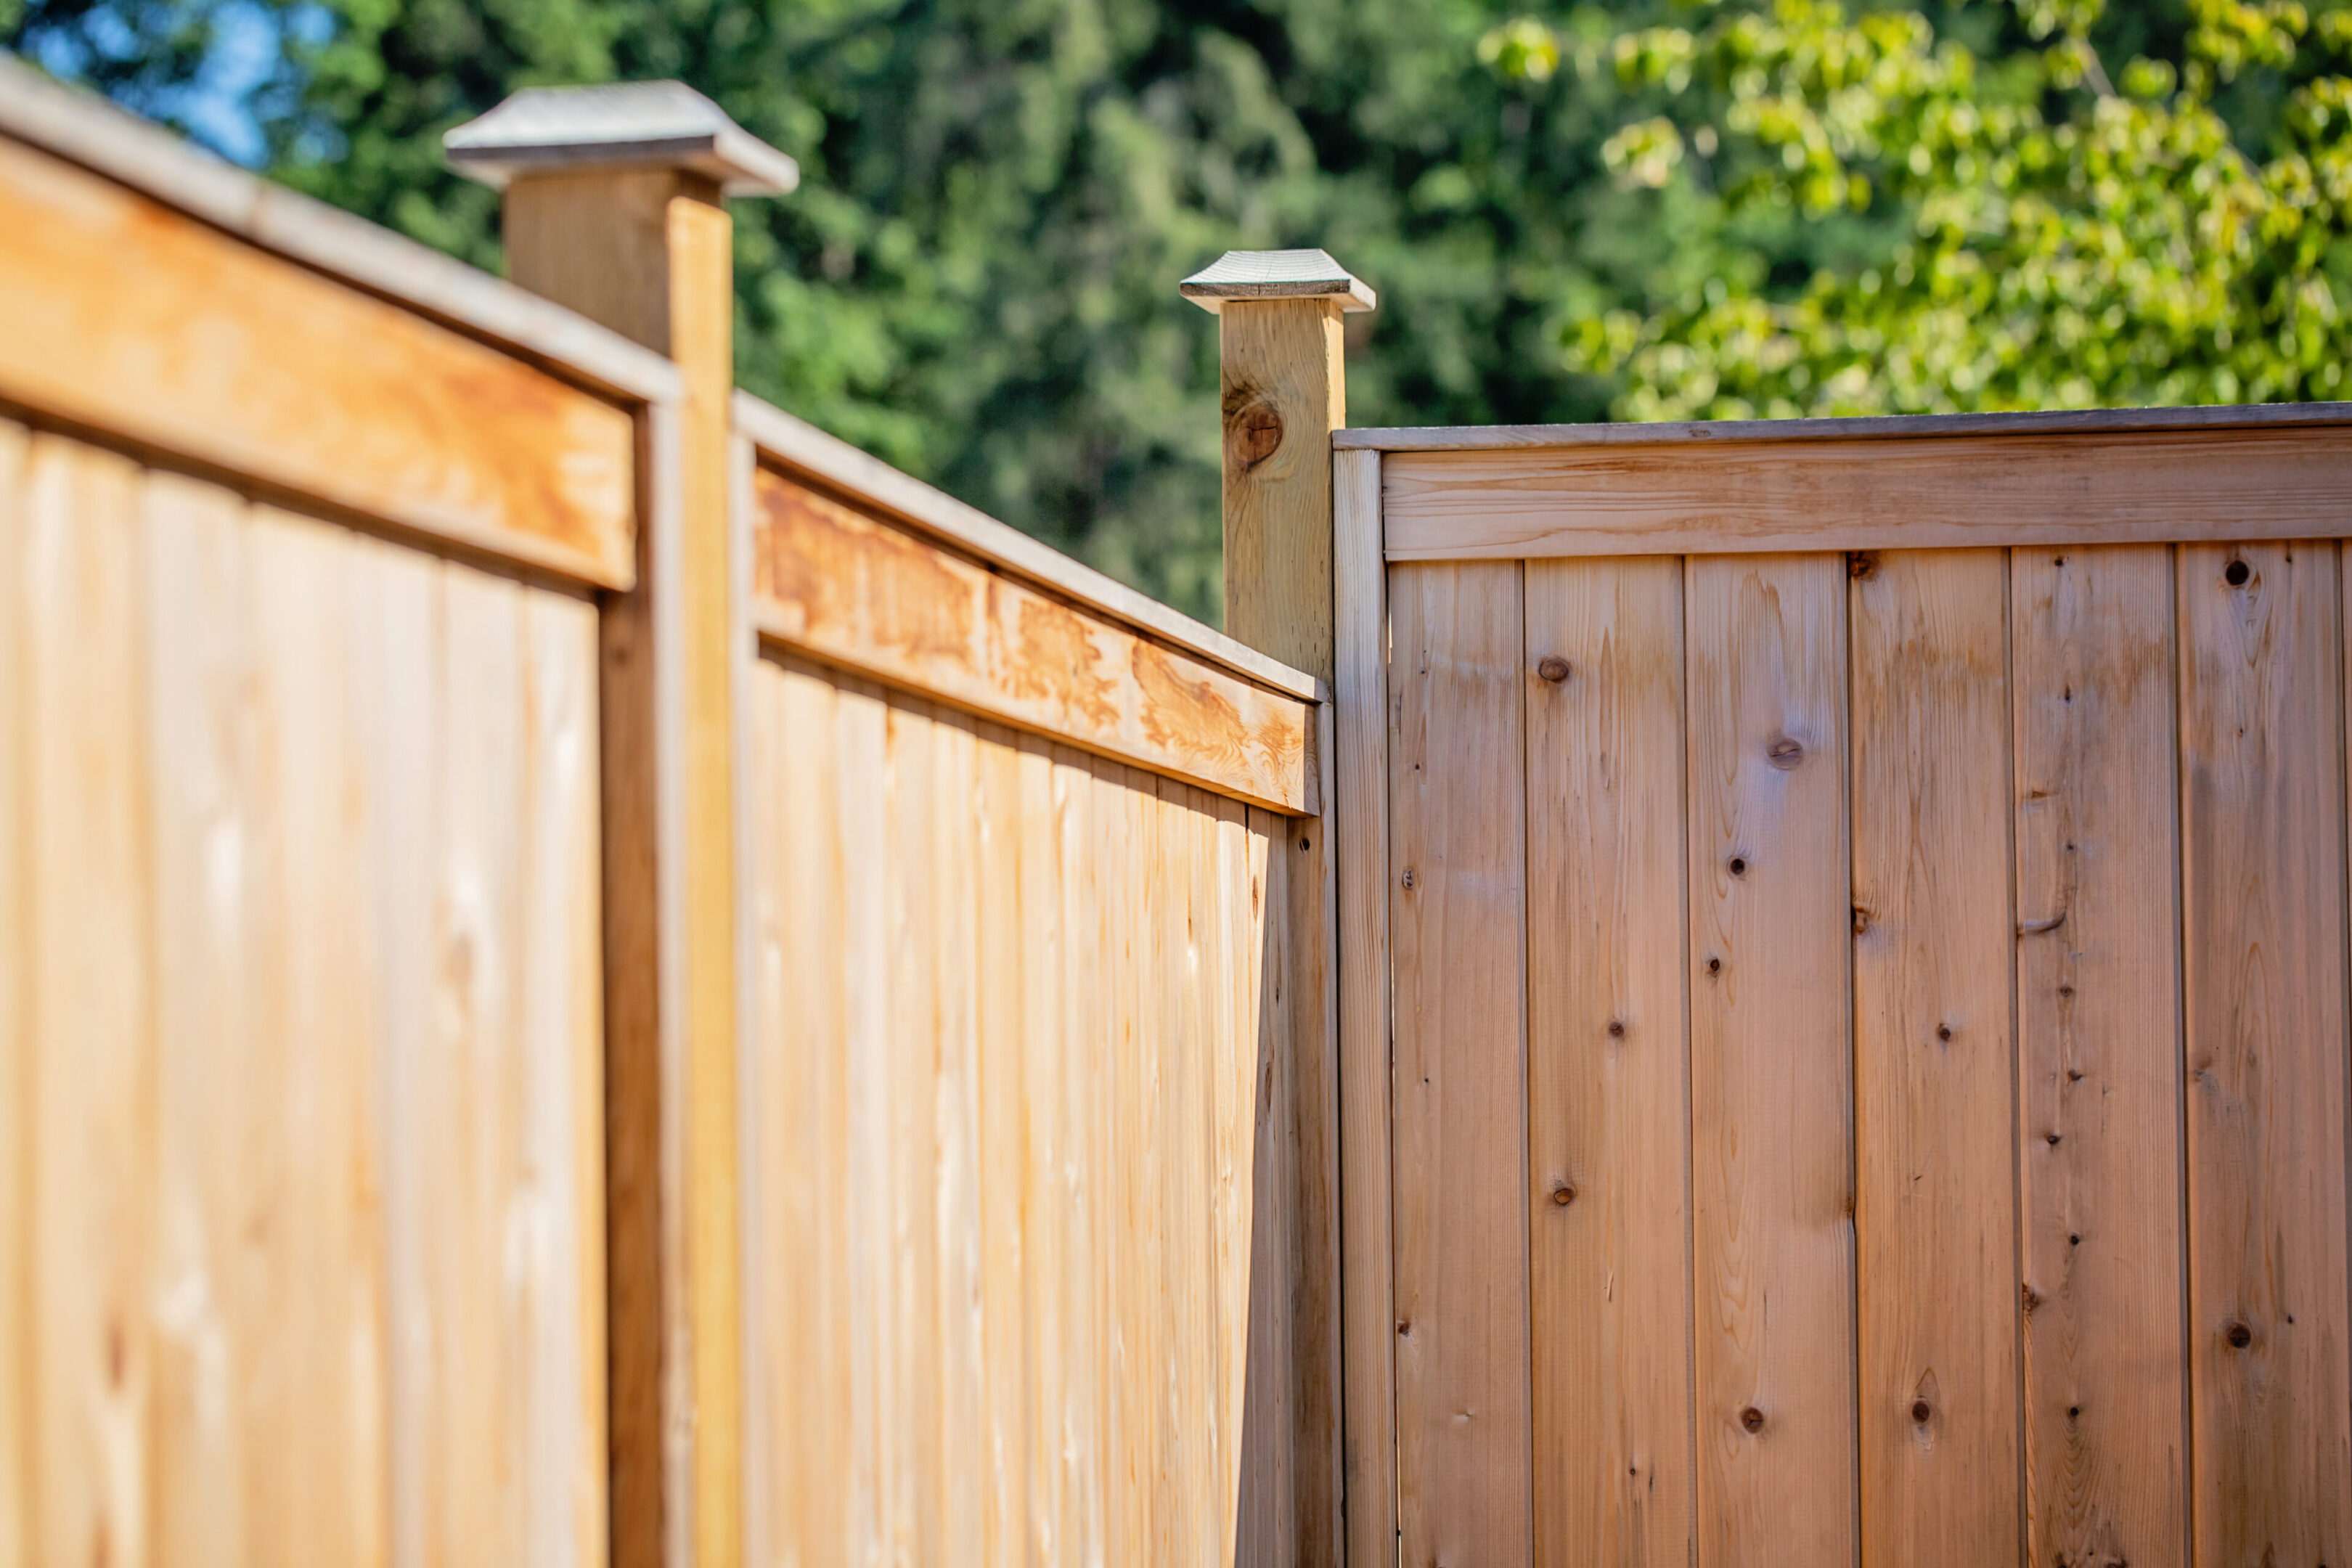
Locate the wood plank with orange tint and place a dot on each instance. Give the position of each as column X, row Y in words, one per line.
column 2098, row 1019
column 120, row 314
column 1771, row 1065
column 1608, row 1054
column 1457, row 922
column 2263, row 945
column 1935, row 1107
column 839, row 584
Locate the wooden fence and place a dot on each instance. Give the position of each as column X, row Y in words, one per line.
column 1859, row 907
column 586, row 974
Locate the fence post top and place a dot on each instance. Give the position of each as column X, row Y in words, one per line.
column 544, row 129
column 1276, row 275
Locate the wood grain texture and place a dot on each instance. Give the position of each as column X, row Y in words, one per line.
column 845, row 586
column 808, row 455
column 1935, row 1102
column 125, row 316
column 18, row 1526
column 335, row 1283
column 1285, row 389
column 2261, row 860
column 1771, row 1073
column 1359, row 683
column 1457, row 925
column 1869, row 494
column 1002, row 1150
column 1607, row 1049
column 2098, row 1055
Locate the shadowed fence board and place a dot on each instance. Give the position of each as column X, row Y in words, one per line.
column 1771, row 1138
column 849, row 588
column 2261, row 836
column 352, row 1292
column 122, row 314
column 1935, row 1242
column 998, row 1144
column 2099, row 1054
column 1457, row 926
column 1607, row 1049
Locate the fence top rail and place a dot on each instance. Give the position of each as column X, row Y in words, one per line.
column 1894, row 426
column 800, row 446
column 72, row 125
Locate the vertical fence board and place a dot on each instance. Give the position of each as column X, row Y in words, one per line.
column 1253, row 1328
column 1457, row 924
column 19, row 1529
column 87, row 908
column 881, row 1506
column 1056, row 1185
column 960, row 1400
column 1085, row 823
column 912, row 1306
column 1771, row 1064
column 1609, row 1115
column 2262, row 833
column 2099, row 1041
column 1005, row 908
column 1936, row 1243
column 216, row 1109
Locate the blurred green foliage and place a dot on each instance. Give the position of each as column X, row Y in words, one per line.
column 1649, row 208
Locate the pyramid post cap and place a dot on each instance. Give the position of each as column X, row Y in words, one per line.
column 543, row 130
column 1276, row 275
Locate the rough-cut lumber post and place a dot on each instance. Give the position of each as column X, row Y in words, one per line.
column 1284, row 391
column 613, row 208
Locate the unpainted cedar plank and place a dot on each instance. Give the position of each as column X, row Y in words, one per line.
column 89, row 1001
column 314, row 1387
column 1771, row 1078
column 1009, row 924
column 2261, row 836
column 1458, row 937
column 1935, row 1097
column 403, row 664
column 1130, row 952
column 218, row 1111
column 561, row 1183
column 1191, row 1282
column 1053, row 1344
column 915, row 1443
column 2098, row 1066
column 1261, row 953
column 471, row 1085
column 797, row 1338
column 18, row 1529
column 1607, row 1037
column 959, row 1395
column 1251, row 1316
column 1082, row 828
column 880, row 1503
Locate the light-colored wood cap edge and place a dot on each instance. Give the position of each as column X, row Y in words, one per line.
column 1276, row 275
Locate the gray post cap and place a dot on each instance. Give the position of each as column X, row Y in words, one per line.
column 1276, row 275
column 543, row 129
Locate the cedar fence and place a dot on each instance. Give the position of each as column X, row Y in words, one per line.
column 589, row 974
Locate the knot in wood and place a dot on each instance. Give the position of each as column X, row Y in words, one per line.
column 1254, row 434
column 1752, row 1418
column 1563, row 1194
column 1553, row 669
column 2240, row 1336
column 1921, row 1410
column 1785, row 753
column 1861, row 563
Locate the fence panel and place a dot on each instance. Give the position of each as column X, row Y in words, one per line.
column 2016, row 1132
column 1018, row 1090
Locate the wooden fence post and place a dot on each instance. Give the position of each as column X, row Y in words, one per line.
column 1284, row 380
column 613, row 208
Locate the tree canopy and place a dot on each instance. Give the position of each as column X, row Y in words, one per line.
column 1647, row 209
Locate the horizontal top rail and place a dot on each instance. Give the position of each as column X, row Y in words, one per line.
column 836, row 463
column 82, row 129
column 1892, row 427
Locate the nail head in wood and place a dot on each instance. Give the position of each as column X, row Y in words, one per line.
column 1276, row 275
column 548, row 130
